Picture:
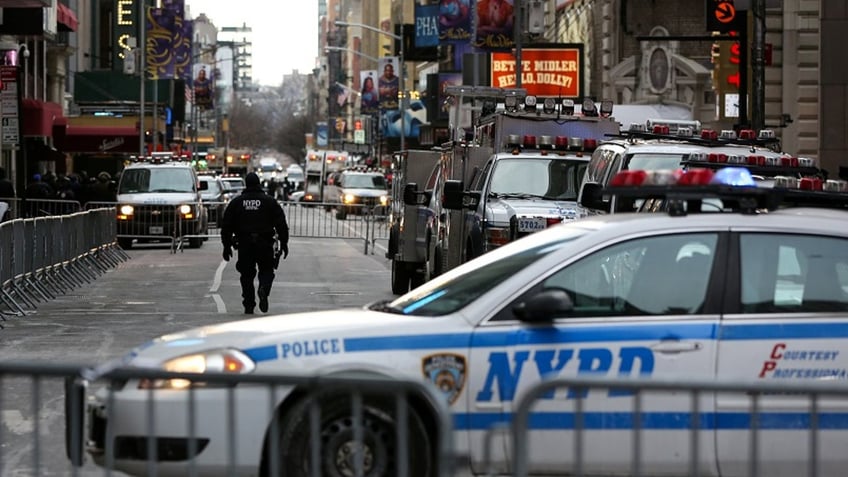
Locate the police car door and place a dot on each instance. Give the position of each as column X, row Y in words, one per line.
column 788, row 325
column 642, row 307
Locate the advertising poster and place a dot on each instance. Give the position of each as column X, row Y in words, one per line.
column 446, row 79
column 369, row 96
column 454, row 21
column 159, row 46
column 549, row 72
column 388, row 83
column 322, row 134
column 493, row 20
column 183, row 34
column 203, row 86
column 426, row 26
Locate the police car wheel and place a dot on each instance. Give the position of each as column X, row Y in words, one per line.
column 339, row 447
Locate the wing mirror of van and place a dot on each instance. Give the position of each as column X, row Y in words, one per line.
column 591, row 197
column 452, row 195
column 411, row 196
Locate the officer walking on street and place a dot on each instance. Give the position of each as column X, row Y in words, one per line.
column 250, row 223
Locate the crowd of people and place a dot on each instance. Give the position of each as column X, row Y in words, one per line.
column 76, row 187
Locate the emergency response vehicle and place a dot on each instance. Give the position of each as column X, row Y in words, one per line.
column 358, row 191
column 159, row 199
column 521, row 171
column 758, row 294
column 415, row 218
column 663, row 145
column 320, row 165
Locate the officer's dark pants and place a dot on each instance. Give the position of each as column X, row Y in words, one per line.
column 251, row 257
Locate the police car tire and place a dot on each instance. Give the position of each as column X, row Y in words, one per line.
column 379, row 435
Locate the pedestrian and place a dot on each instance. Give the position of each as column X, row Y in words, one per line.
column 250, row 222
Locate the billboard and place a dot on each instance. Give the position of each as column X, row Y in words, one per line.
column 555, row 71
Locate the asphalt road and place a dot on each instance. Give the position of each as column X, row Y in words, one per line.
column 153, row 293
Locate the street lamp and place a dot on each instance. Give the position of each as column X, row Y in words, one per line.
column 402, row 88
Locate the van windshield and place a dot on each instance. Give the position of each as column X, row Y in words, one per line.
column 164, row 179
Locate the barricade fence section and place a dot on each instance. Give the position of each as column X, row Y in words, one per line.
column 44, row 257
column 150, row 422
column 646, row 427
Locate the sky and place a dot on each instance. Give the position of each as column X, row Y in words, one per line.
column 285, row 37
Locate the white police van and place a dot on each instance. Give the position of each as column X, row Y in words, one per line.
column 752, row 295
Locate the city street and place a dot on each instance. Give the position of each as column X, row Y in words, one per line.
column 157, row 292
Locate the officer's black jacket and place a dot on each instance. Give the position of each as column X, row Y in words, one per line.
column 253, row 213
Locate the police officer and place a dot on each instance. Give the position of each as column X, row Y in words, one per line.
column 250, row 221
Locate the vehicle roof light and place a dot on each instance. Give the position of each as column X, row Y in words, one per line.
column 709, row 134
column 575, row 143
column 637, row 127
column 660, row 129
column 696, row 176
column 736, row 159
column 511, row 103
column 717, row 158
column 785, row 182
column 546, row 142
column 756, row 160
column 588, row 107
column 734, row 176
column 728, row 134
column 810, row 183
column 549, row 105
column 529, row 141
column 685, row 131
column 590, row 144
column 513, row 140
column 606, row 108
column 833, row 185
column 568, row 107
column 746, row 134
column 766, row 134
column 698, row 157
column 561, row 142
column 530, row 102
column 806, row 162
column 628, row 178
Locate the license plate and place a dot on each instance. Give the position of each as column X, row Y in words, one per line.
column 531, row 224
column 157, row 230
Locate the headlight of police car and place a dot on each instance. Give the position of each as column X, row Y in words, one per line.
column 349, row 198
column 126, row 211
column 230, row 361
column 384, row 200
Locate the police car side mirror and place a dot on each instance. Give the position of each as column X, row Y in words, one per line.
column 544, row 306
column 453, row 195
column 591, row 197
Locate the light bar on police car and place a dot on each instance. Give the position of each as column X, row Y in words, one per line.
column 567, row 107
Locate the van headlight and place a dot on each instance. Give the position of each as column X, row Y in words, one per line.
column 384, row 200
column 230, row 361
column 349, row 198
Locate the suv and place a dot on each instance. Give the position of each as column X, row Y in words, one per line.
column 354, row 192
column 159, row 200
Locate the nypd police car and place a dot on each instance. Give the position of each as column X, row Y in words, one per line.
column 760, row 294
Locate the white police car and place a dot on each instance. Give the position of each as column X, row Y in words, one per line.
column 744, row 296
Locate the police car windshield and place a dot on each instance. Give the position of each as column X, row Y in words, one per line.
column 654, row 161
column 537, row 178
column 156, row 179
column 451, row 292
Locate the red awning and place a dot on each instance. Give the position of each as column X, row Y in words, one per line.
column 66, row 18
column 38, row 117
column 96, row 139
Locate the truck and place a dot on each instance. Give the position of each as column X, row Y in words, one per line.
column 415, row 218
column 321, row 165
column 518, row 169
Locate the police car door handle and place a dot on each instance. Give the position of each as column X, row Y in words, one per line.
column 676, row 346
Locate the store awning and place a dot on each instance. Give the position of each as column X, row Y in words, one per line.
column 95, row 139
column 39, row 116
column 66, row 18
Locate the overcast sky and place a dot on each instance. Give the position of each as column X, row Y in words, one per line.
column 285, row 34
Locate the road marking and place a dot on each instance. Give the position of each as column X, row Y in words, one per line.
column 216, row 284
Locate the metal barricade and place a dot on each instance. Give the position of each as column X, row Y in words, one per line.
column 322, row 220
column 10, row 208
column 218, row 424
column 47, row 256
column 676, row 427
column 49, row 207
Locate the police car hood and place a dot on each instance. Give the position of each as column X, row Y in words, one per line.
column 272, row 332
column 158, row 198
column 359, row 192
column 503, row 209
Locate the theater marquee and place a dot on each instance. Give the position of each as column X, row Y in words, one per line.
column 555, row 71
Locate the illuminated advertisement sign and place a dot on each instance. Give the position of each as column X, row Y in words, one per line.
column 555, row 71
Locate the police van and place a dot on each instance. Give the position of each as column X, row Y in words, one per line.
column 757, row 295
